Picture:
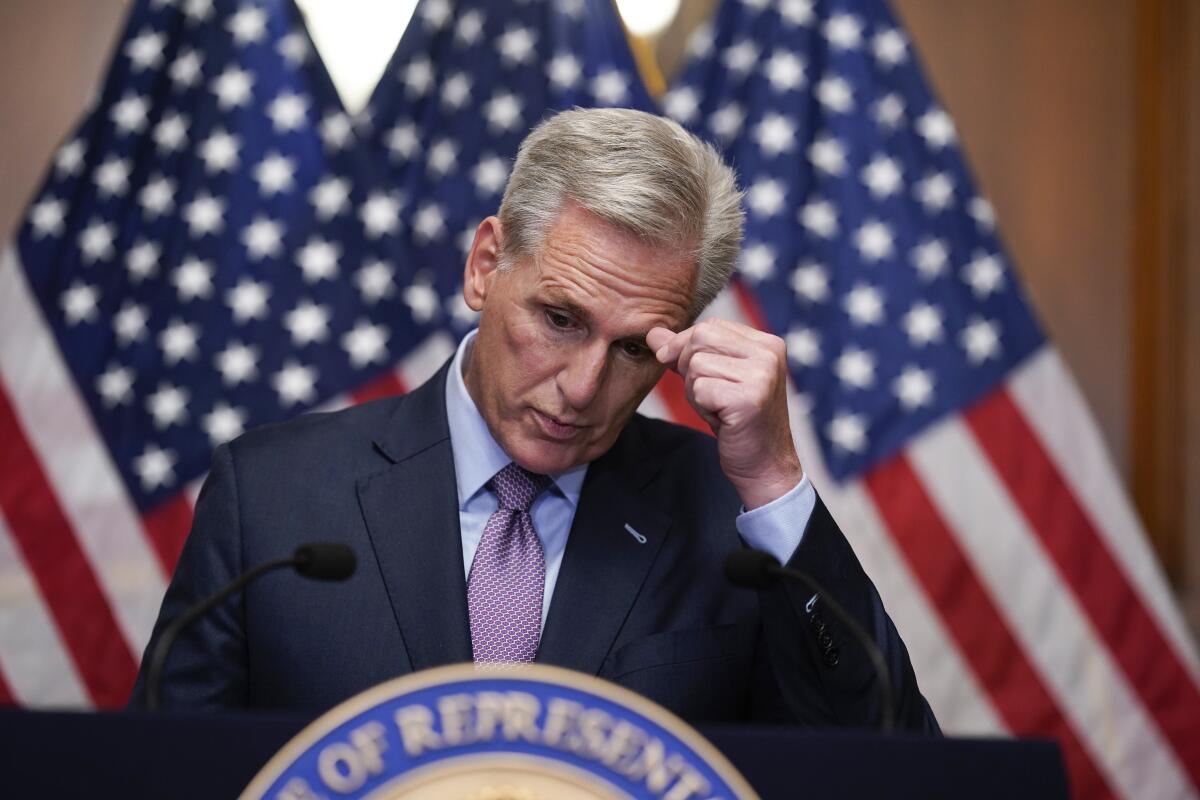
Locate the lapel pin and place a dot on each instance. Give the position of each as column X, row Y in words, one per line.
column 640, row 539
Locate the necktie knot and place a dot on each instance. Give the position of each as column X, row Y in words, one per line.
column 517, row 487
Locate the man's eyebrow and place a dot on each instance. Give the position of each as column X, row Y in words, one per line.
column 572, row 308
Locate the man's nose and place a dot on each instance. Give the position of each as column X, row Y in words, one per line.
column 580, row 379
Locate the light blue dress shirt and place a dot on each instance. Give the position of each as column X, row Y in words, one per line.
column 776, row 527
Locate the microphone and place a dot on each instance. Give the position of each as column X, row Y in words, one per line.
column 754, row 569
column 321, row 561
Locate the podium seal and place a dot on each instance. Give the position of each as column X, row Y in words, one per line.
column 511, row 733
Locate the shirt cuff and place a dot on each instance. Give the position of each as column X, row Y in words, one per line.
column 778, row 527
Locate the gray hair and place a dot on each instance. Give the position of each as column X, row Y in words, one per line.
column 640, row 173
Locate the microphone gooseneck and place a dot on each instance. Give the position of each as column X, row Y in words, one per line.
column 754, row 569
column 323, row 561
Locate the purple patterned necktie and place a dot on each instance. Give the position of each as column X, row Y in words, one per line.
column 508, row 575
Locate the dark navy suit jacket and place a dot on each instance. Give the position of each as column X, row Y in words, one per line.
column 656, row 616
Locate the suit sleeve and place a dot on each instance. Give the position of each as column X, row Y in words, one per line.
column 207, row 666
column 823, row 675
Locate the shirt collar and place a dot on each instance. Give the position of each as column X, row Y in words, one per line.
column 477, row 456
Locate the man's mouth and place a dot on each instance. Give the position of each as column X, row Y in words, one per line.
column 555, row 428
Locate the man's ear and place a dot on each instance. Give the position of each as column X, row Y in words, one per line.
column 482, row 262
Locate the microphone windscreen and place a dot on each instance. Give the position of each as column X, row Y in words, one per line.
column 751, row 569
column 325, row 561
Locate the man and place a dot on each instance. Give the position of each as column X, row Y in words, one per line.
column 515, row 508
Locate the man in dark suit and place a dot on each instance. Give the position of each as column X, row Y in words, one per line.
column 514, row 508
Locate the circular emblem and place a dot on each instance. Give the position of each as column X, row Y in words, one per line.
column 526, row 732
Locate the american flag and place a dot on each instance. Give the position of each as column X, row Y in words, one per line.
column 934, row 418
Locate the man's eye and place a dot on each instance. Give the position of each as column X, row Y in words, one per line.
column 635, row 350
column 558, row 319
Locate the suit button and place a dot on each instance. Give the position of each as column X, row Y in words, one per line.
column 832, row 657
column 826, row 642
column 817, row 620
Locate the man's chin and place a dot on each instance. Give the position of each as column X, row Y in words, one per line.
column 546, row 457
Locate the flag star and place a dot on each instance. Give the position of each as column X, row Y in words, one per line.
column 248, row 25
column 796, row 12
column 422, row 300
column 681, row 104
column 223, row 423
column 47, row 217
column 462, row 314
column 178, row 342
column 775, row 134
column 765, row 197
column 155, row 467
column 237, row 363
column 740, row 58
column 930, row 258
column 442, row 157
column 288, row 111
column 564, row 71
column 981, row 339
column 882, row 177
column 307, row 323
column 157, row 196
column 913, row 387
column 294, row 48
column 804, row 346
column 844, row 31
column 819, row 218
column 572, row 9
column 874, row 241
column 232, row 88
column 828, row 154
column 835, row 95
column 204, row 215
column 295, row 383
column 96, row 242
column 168, row 405
column 785, row 71
column 145, row 51
column 890, row 47
column 466, row 237
column 810, row 282
column 490, row 175
column 79, row 303
column 130, row 323
column 982, row 212
column 335, row 130
column 248, row 300
column 456, row 91
column 170, row 134
column 429, row 223
column 115, row 386
column 700, row 43
column 889, row 111
column 275, row 174
column 469, row 28
column 923, row 324
column 112, row 177
column 129, row 114
column 263, row 238
column 503, row 112
column 435, row 13
column 611, row 88
column 855, row 368
column 726, row 121
column 374, row 281
column 402, row 141
column 380, row 215
column 935, row 192
column 142, row 260
column 516, row 46
column 757, row 262
column 366, row 344
column 185, row 69
column 864, row 305
column 417, row 77
column 936, row 129
column 984, row 274
column 330, row 197
column 69, row 158
column 192, row 279
column 197, row 10
column 318, row 260
column 847, row 432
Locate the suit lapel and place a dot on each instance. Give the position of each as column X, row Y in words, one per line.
column 605, row 563
column 412, row 519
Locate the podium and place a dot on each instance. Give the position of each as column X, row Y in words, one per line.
column 190, row 755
